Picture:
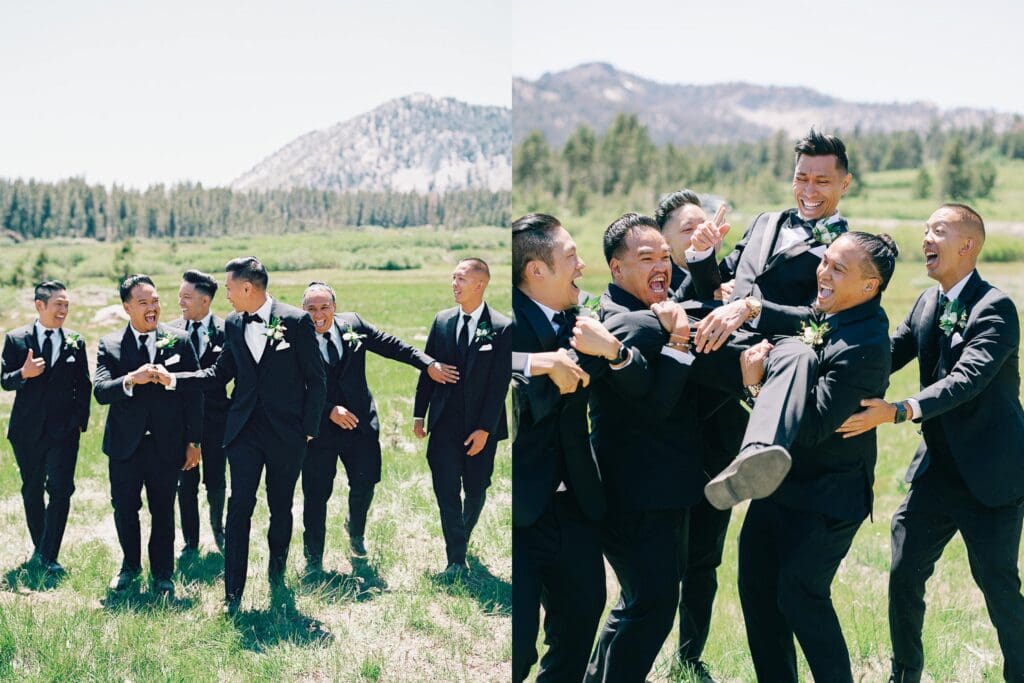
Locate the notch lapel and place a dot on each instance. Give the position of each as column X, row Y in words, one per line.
column 474, row 347
column 768, row 237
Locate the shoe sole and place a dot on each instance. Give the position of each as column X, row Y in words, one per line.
column 750, row 478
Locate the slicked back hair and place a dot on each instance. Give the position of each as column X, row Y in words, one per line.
column 130, row 283
column 615, row 234
column 45, row 290
column 250, row 269
column 673, row 201
column 532, row 240
column 204, row 284
column 818, row 144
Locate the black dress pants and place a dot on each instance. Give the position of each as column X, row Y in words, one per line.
column 557, row 563
column 213, row 468
column 788, row 559
column 47, row 466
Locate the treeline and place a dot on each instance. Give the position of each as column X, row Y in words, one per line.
column 73, row 208
column 625, row 158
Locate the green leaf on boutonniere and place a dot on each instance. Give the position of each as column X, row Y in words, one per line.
column 166, row 341
column 73, row 340
column 827, row 230
column 590, row 307
column 813, row 334
column 954, row 317
column 275, row 330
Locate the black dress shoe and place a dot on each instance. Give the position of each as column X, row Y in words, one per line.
column 314, row 564
column 753, row 474
column 163, row 588
column 230, row 607
column 275, row 571
column 697, row 670
column 456, row 572
column 123, row 579
column 357, row 545
column 218, row 538
column 188, row 553
column 53, row 568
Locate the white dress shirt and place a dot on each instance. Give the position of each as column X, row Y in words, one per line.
column 150, row 346
column 204, row 333
column 474, row 320
column 256, row 333
column 335, row 339
column 56, row 341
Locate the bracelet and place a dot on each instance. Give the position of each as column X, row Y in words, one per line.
column 679, row 346
column 751, row 392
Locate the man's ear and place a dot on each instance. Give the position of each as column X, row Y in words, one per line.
column 615, row 265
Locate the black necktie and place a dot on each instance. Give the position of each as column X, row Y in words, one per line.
column 463, row 341
column 144, row 348
column 332, row 350
column 195, row 337
column 944, row 339
column 48, row 347
column 253, row 318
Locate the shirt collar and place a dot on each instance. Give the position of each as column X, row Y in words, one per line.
column 815, row 220
column 474, row 315
column 956, row 289
column 264, row 310
column 152, row 335
column 548, row 312
column 41, row 331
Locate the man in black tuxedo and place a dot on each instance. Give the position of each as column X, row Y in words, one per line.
column 151, row 435
column 46, row 365
column 557, row 496
column 650, row 463
column 206, row 334
column 702, row 537
column 466, row 420
column 271, row 352
column 967, row 474
column 793, row 541
column 349, row 427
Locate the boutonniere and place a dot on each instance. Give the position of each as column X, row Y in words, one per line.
column 275, row 330
column 589, row 307
column 954, row 317
column 352, row 338
column 813, row 334
column 483, row 332
column 826, row 230
column 166, row 341
column 73, row 340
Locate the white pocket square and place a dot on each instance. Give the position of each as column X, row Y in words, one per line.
column 176, row 358
column 955, row 340
column 217, row 348
column 485, row 347
column 283, row 345
column 71, row 359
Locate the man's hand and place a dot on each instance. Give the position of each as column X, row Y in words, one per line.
column 443, row 373
column 560, row 369
column 708, row 235
column 714, row 330
column 160, row 375
column 417, row 428
column 876, row 412
column 32, row 367
column 343, row 417
column 192, row 457
column 752, row 362
column 144, row 375
column 673, row 318
column 476, row 442
column 590, row 337
column 724, row 292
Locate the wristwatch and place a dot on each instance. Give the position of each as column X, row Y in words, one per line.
column 753, row 307
column 622, row 357
column 751, row 392
column 901, row 413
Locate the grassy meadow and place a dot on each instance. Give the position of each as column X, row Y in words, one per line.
column 385, row 618
column 960, row 642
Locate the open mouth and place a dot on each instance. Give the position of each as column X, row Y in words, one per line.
column 658, row 284
column 824, row 295
column 808, row 207
column 151, row 318
column 931, row 258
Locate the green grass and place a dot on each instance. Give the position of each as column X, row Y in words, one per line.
column 384, row 619
column 959, row 640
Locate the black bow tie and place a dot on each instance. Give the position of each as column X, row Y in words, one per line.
column 795, row 221
column 254, row 318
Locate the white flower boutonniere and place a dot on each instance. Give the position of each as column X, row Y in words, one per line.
column 166, row 341
column 275, row 330
column 352, row 338
column 589, row 306
column 73, row 340
column 953, row 318
column 828, row 229
column 483, row 332
column 813, row 334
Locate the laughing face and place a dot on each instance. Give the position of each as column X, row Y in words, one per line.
column 818, row 185
column 679, row 227
column 945, row 246
column 143, row 308
column 321, row 307
column 644, row 269
column 53, row 313
column 467, row 285
column 842, row 282
column 567, row 267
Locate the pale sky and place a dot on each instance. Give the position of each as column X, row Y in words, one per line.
column 142, row 92
column 963, row 53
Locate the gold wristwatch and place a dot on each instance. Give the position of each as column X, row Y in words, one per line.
column 753, row 307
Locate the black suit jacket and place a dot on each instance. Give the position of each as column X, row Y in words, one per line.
column 485, row 377
column 173, row 417
column 646, row 446
column 215, row 398
column 62, row 390
column 786, row 283
column 289, row 381
column 551, row 429
column 347, row 385
column 976, row 406
column 830, row 474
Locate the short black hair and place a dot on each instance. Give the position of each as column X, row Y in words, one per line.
column 966, row 214
column 881, row 252
column 532, row 240
column 615, row 234
column 478, row 265
column 44, row 290
column 248, row 268
column 204, row 284
column 818, row 144
column 673, row 201
column 130, row 283
column 321, row 285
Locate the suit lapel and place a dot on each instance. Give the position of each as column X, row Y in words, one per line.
column 789, row 253
column 269, row 348
column 474, row 347
column 768, row 237
column 538, row 322
column 346, row 352
column 932, row 334
column 242, row 343
column 450, row 334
